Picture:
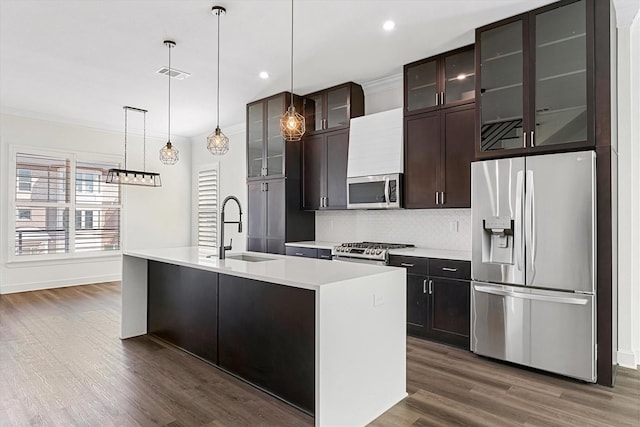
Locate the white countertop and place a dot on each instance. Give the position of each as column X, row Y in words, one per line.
column 314, row 244
column 418, row 252
column 307, row 273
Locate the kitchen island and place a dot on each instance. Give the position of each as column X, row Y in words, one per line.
column 326, row 337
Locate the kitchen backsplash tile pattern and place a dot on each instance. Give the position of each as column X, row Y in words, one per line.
column 430, row 228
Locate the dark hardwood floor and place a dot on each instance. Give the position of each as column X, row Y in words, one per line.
column 62, row 364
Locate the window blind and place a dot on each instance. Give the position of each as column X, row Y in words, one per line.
column 51, row 219
column 208, row 208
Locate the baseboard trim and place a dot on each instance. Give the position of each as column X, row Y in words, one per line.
column 628, row 359
column 49, row 284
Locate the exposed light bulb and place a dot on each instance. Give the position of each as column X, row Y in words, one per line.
column 291, row 123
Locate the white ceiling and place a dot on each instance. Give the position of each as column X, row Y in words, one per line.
column 81, row 60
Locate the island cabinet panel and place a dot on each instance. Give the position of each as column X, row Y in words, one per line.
column 182, row 308
column 267, row 337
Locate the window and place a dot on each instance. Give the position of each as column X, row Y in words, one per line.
column 24, row 180
column 208, row 208
column 44, row 201
column 24, row 214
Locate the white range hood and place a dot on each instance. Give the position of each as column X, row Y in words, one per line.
column 375, row 144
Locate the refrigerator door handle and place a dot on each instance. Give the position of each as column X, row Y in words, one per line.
column 528, row 224
column 561, row 300
column 519, row 244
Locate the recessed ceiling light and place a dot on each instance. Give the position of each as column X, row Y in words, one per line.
column 264, row 75
column 388, row 25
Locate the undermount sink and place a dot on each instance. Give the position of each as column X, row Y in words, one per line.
column 248, row 258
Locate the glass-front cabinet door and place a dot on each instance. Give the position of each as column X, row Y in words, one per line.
column 337, row 107
column 560, row 76
column 275, row 142
column 459, row 77
column 421, row 90
column 255, row 139
column 313, row 112
column 501, row 87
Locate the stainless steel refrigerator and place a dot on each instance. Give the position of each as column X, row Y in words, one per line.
column 533, row 299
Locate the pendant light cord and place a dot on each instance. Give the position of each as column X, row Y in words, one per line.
column 169, row 76
column 291, row 52
column 218, row 80
column 144, row 141
column 126, row 111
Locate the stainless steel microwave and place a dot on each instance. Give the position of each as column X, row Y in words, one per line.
column 374, row 192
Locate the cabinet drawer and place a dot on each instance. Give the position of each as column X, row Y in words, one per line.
column 303, row 252
column 324, row 253
column 414, row 265
column 452, row 269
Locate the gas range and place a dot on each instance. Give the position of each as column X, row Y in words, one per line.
column 367, row 252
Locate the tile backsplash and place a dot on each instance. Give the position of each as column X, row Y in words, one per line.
column 429, row 228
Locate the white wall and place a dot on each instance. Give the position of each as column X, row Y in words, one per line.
column 232, row 180
column 151, row 217
column 629, row 194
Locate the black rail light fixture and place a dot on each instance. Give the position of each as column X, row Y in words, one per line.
column 168, row 153
column 292, row 123
column 217, row 142
column 132, row 177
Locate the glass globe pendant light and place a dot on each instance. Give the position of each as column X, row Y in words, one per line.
column 292, row 124
column 217, row 142
column 168, row 153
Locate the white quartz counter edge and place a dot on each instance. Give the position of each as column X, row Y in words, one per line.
column 313, row 244
column 306, row 273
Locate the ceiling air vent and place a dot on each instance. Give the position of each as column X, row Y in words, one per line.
column 173, row 73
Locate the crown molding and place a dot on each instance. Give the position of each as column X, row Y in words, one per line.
column 382, row 84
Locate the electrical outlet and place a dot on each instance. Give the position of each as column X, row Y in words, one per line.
column 453, row 226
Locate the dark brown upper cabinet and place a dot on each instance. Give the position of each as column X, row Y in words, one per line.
column 438, row 151
column 326, row 144
column 441, row 81
column 267, row 153
column 325, row 170
column 331, row 109
column 535, row 81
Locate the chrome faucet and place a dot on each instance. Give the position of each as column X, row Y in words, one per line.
column 224, row 248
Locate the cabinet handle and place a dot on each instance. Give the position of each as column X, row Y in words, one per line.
column 326, row 201
column 532, row 140
column 437, row 98
column 424, row 286
column 325, row 256
column 430, row 287
column 442, row 197
column 266, row 186
column 441, row 98
column 449, row 269
column 524, row 140
column 262, row 186
column 406, row 264
column 437, row 198
column 299, row 254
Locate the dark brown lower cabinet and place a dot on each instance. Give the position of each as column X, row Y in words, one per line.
column 449, row 311
column 182, row 308
column 438, row 308
column 417, row 305
column 267, row 337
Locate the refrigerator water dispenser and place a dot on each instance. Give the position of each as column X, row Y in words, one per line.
column 497, row 245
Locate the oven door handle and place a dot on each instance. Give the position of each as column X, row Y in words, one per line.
column 358, row 260
column 386, row 190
